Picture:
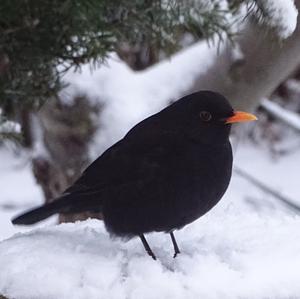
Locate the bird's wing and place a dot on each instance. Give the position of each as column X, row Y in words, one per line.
column 129, row 160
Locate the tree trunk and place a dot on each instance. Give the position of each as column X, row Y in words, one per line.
column 61, row 141
column 265, row 62
column 140, row 56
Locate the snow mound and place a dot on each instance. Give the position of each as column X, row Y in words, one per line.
column 226, row 254
column 282, row 15
column 126, row 97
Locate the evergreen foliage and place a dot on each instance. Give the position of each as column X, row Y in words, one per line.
column 40, row 40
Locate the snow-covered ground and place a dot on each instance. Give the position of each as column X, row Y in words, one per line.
column 246, row 247
column 18, row 188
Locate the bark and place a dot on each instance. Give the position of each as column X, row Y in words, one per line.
column 140, row 56
column 65, row 131
column 25, row 120
column 266, row 62
column 4, row 63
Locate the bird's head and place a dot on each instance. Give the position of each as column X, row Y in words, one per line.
column 206, row 116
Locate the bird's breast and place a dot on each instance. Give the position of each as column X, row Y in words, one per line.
column 201, row 179
column 182, row 186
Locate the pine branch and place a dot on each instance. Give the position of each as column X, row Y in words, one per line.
column 39, row 36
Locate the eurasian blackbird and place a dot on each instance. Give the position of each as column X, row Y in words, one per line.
column 169, row 170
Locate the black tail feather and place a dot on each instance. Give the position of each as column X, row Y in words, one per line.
column 35, row 215
column 68, row 203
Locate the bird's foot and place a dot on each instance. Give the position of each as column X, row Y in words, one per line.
column 176, row 248
column 176, row 253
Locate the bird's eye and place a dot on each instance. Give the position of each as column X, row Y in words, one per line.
column 205, row 116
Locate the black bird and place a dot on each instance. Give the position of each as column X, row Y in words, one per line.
column 169, row 170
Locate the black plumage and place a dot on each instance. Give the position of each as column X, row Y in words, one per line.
column 169, row 170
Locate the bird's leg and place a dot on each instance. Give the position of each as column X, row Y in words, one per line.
column 176, row 248
column 147, row 247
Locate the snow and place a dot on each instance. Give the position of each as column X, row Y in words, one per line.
column 229, row 259
column 127, row 97
column 248, row 246
column 282, row 15
column 293, row 85
column 19, row 191
column 223, row 257
column 9, row 127
column 289, row 117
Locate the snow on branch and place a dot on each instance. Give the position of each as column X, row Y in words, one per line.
column 268, row 190
column 279, row 14
column 9, row 130
column 10, row 127
column 292, row 119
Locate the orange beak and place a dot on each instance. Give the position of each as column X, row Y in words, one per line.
column 240, row 116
